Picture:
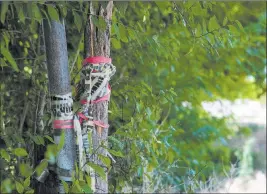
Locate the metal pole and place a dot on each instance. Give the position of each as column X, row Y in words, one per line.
column 61, row 100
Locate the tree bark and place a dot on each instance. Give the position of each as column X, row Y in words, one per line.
column 61, row 100
column 97, row 43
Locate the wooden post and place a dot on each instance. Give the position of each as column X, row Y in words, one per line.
column 97, row 43
column 61, row 100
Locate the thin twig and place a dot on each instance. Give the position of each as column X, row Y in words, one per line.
column 94, row 152
column 23, row 116
column 77, row 54
column 165, row 118
column 185, row 19
column 209, row 32
column 40, row 126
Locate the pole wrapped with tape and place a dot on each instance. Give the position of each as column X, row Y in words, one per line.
column 61, row 99
column 93, row 92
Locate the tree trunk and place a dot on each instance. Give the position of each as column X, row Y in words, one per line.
column 61, row 100
column 97, row 43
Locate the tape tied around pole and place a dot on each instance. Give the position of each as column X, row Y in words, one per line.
column 93, row 92
column 101, row 124
column 63, row 124
column 104, row 98
column 96, row 60
column 61, row 106
column 64, row 174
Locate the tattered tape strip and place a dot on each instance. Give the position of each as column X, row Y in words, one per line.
column 78, row 130
column 104, row 98
column 101, row 124
column 95, row 68
column 88, row 123
column 91, row 123
column 81, row 115
column 99, row 88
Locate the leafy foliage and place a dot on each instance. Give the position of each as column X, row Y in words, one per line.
column 170, row 57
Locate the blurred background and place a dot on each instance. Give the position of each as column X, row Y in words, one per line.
column 188, row 103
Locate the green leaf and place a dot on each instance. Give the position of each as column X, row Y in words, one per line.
column 198, row 30
column 239, row 25
column 211, row 39
column 173, row 92
column 115, row 30
column 5, row 186
column 38, row 140
column 213, row 24
column 204, row 26
column 5, row 155
column 6, row 37
column 75, row 188
column 5, row 52
column 233, row 30
column 95, row 21
column 147, row 86
column 123, row 34
column 19, row 9
column 116, row 44
column 131, row 33
column 41, row 139
column 88, row 179
column 2, row 63
column 105, row 160
column 77, row 20
column 66, row 186
column 140, row 171
column 21, row 15
column 86, row 188
column 99, row 22
column 46, row 16
column 20, row 152
column 116, row 153
column 121, row 6
column 170, row 156
column 27, row 182
column 52, row 12
column 36, row 12
column 52, row 151
column 31, row 191
column 25, row 169
column 148, row 111
column 4, row 9
column 162, row 5
column 102, row 23
column 163, row 100
column 61, row 141
column 49, row 138
column 40, row 168
column 225, row 20
column 19, row 187
column 29, row 9
column 64, row 10
column 99, row 170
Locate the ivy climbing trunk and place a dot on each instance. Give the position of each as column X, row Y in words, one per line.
column 97, row 43
column 61, row 100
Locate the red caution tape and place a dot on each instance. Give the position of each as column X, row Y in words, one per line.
column 101, row 124
column 97, row 60
column 63, row 124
